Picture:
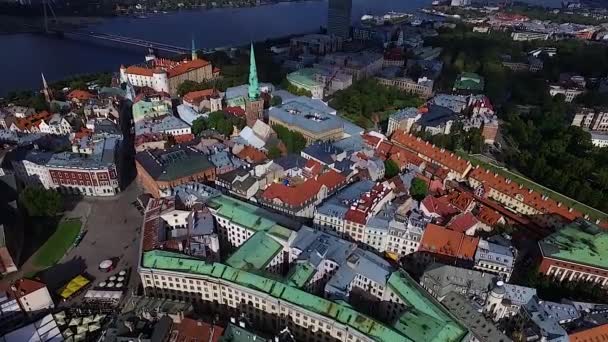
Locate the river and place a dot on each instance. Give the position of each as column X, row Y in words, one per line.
column 25, row 56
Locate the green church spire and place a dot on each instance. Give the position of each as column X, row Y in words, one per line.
column 254, row 87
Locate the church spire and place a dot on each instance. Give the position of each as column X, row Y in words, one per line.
column 254, row 87
column 194, row 56
column 48, row 96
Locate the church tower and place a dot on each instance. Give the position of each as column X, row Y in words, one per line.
column 194, row 55
column 254, row 104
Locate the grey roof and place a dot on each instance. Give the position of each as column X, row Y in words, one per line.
column 200, row 222
column 549, row 326
column 443, row 279
column 406, row 113
column 173, row 163
column 290, row 161
column 362, row 263
column 308, row 114
column 453, row 102
column 338, row 204
column 518, row 295
column 323, row 151
column 436, row 116
column 484, row 330
column 104, row 153
column 38, row 157
column 220, row 159
column 317, row 246
column 159, row 124
column 351, row 144
column 494, row 253
column 190, row 193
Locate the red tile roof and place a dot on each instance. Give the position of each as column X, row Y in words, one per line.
column 236, row 111
column 190, row 330
column 438, row 240
column 440, row 156
column 488, row 216
column 32, row 120
column 172, row 68
column 360, row 210
column 460, row 200
column 300, row 194
column 531, row 198
column 332, row 180
column 598, row 333
column 24, row 287
column 439, row 206
column 195, row 97
column 313, row 167
column 463, row 222
column 80, row 95
column 295, row 196
column 252, row 155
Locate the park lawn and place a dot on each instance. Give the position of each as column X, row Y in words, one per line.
column 583, row 208
column 58, row 244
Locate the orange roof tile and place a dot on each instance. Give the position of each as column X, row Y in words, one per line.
column 488, row 216
column 462, row 222
column 295, row 196
column 332, row 180
column 598, row 333
column 438, row 240
column 32, row 120
column 460, row 200
column 532, row 198
column 80, row 95
column 189, row 330
column 195, row 97
column 443, row 157
column 173, row 68
column 439, row 206
column 252, row 155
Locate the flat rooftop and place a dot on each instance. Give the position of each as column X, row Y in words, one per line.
column 307, row 114
column 580, row 242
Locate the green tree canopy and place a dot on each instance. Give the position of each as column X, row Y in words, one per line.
column 294, row 141
column 419, row 189
column 391, row 169
column 39, row 202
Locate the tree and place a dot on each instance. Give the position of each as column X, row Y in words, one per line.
column 419, row 189
column 199, row 125
column 276, row 101
column 293, row 141
column 391, row 169
column 39, row 202
column 274, row 152
column 189, row 86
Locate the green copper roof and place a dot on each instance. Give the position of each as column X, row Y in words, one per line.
column 255, row 253
column 580, row 242
column 254, row 87
column 234, row 333
column 469, row 81
column 247, row 215
column 304, row 78
column 341, row 313
column 300, row 274
column 429, row 321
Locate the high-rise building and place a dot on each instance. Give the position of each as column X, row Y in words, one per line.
column 338, row 17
